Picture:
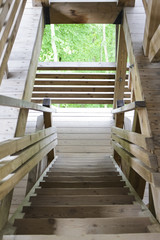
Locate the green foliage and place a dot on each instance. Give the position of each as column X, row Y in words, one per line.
column 79, row 43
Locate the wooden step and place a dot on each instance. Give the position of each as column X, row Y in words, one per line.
column 77, row 227
column 83, row 170
column 79, row 211
column 65, row 184
column 82, row 179
column 137, row 236
column 83, row 191
column 81, row 200
column 64, row 173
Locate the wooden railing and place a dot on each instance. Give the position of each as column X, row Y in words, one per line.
column 18, row 156
column 135, row 149
column 10, row 17
column 77, row 87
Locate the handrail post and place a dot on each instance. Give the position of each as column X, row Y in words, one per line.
column 48, row 123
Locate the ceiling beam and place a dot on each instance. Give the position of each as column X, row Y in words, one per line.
column 84, row 12
column 126, row 3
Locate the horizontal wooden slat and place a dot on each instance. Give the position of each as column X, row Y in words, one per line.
column 79, row 89
column 18, row 103
column 133, row 236
column 146, row 157
column 76, row 66
column 7, row 167
column 77, row 101
column 136, row 138
column 75, row 75
column 16, row 144
column 80, row 82
column 130, row 107
column 145, row 172
column 74, row 95
column 10, row 183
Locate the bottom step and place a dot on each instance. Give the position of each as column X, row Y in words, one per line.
column 74, row 227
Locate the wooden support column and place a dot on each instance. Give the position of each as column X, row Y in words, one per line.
column 154, row 49
column 135, row 179
column 47, row 124
column 120, row 82
column 120, row 75
column 152, row 23
column 4, row 209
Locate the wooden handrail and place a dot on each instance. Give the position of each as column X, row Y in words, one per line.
column 15, row 145
column 136, row 138
column 130, row 107
column 18, row 103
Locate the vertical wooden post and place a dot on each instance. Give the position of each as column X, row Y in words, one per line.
column 120, row 82
column 121, row 68
column 48, row 123
column 152, row 23
column 4, row 209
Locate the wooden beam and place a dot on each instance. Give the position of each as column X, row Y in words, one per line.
column 136, row 138
column 121, row 68
column 17, row 103
column 83, row 12
column 76, row 66
column 152, row 23
column 38, row 3
column 48, row 123
column 130, row 107
column 154, row 48
column 126, row 3
column 145, row 4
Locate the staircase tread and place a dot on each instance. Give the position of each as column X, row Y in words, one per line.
column 71, row 226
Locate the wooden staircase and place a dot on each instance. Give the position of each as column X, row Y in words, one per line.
column 84, row 196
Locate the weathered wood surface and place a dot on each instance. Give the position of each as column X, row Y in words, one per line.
column 133, row 236
column 84, row 12
column 144, row 72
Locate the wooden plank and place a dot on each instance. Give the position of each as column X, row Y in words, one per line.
column 17, row 103
column 130, row 107
column 145, row 172
column 79, row 89
column 81, row 185
column 133, row 236
column 136, row 138
column 81, row 200
column 76, row 66
column 3, row 13
column 80, row 12
column 7, row 167
column 75, row 101
column 124, row 3
column 66, row 82
column 9, row 184
column 154, row 48
column 82, row 226
column 82, row 191
column 82, row 211
column 54, row 95
column 75, row 75
column 147, row 158
column 152, row 23
column 14, row 145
